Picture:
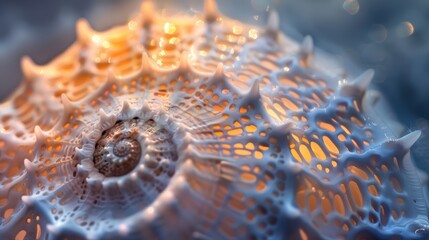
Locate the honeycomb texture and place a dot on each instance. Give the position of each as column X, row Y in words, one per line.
column 200, row 127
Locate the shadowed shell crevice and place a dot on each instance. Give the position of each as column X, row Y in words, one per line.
column 201, row 127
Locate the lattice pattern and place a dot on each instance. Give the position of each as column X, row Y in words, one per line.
column 199, row 128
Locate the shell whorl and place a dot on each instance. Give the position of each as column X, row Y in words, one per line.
column 135, row 143
column 200, row 128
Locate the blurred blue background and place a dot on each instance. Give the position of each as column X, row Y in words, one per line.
column 391, row 36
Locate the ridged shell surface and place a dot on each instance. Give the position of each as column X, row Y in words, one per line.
column 200, row 127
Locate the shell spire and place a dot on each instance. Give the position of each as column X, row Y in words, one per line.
column 147, row 11
column 84, row 31
column 211, row 12
column 29, row 69
column 273, row 25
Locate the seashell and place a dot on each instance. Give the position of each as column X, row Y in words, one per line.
column 201, row 127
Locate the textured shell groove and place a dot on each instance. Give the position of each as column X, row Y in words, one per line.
column 201, row 127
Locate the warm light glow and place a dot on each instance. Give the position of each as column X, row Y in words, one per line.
column 253, row 33
column 169, row 28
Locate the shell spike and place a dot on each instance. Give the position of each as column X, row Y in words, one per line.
column 145, row 107
column 273, row 25
column 254, row 94
column 29, row 166
column 409, row 140
column 364, row 80
column 284, row 129
column 307, row 50
column 147, row 11
column 26, row 199
column 211, row 12
column 125, row 107
column 86, row 150
column 359, row 86
column 67, row 104
column 146, row 65
column 255, row 91
column 106, row 120
column 29, row 68
column 84, row 31
column 219, row 78
column 103, row 114
column 220, row 71
column 254, row 97
column 40, row 134
column 184, row 64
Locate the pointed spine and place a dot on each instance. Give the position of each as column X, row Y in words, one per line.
column 273, row 25
column 30, row 166
column 67, row 104
column 103, row 115
column 403, row 145
column 184, row 64
column 359, row 86
column 80, row 153
column 211, row 12
column 145, row 107
column 146, row 64
column 85, row 167
column 29, row 69
column 84, row 32
column 220, row 71
column 27, row 200
column 41, row 136
column 219, row 78
column 254, row 91
column 283, row 129
column 307, row 50
column 147, row 11
column 409, row 140
column 126, row 108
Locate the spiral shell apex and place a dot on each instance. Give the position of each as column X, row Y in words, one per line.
column 200, row 127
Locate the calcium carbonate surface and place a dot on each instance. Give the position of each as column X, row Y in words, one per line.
column 200, row 127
